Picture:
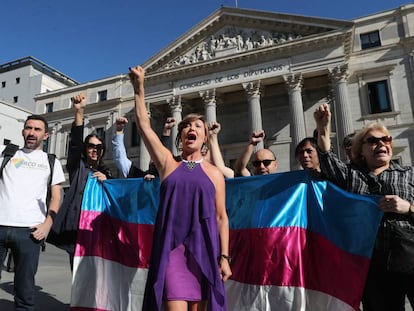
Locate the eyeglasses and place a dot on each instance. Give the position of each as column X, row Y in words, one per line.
column 266, row 163
column 307, row 151
column 98, row 147
column 375, row 140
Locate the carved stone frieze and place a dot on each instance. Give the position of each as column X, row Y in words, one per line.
column 231, row 40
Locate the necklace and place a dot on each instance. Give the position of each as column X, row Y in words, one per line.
column 192, row 164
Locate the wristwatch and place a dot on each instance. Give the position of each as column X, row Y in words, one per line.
column 228, row 258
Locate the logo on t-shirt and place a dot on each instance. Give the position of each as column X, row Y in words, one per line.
column 22, row 163
column 17, row 162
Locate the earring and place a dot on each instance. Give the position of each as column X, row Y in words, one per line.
column 204, row 149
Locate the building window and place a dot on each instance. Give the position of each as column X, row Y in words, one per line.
column 67, row 141
column 102, row 95
column 135, row 138
column 17, row 80
column 100, row 131
column 49, row 107
column 3, row 84
column 379, row 98
column 15, row 99
column 370, row 40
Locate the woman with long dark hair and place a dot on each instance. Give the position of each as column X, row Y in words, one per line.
column 84, row 157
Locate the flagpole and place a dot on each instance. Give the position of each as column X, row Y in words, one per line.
column 236, row 3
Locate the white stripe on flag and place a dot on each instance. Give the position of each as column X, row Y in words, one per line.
column 107, row 285
column 247, row 297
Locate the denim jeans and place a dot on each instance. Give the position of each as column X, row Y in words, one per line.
column 25, row 250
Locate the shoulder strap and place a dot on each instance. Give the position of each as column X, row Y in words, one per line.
column 51, row 158
column 7, row 154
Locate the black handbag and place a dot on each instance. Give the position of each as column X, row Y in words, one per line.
column 394, row 248
column 401, row 251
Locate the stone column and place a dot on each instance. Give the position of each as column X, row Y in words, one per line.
column 144, row 157
column 297, row 126
column 411, row 76
column 343, row 117
column 114, row 115
column 209, row 99
column 110, row 121
column 53, row 139
column 176, row 112
column 254, row 109
column 411, row 62
column 87, row 126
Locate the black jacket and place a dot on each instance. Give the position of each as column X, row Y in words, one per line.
column 65, row 226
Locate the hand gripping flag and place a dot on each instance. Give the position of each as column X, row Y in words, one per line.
column 297, row 244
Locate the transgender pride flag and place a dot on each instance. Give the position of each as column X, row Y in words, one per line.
column 297, row 244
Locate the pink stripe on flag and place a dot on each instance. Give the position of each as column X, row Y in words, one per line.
column 292, row 256
column 110, row 238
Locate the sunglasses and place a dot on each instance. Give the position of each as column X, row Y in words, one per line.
column 307, row 151
column 375, row 140
column 266, row 163
column 98, row 147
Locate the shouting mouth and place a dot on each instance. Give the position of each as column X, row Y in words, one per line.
column 191, row 137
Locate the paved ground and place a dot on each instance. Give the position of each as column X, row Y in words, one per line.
column 53, row 282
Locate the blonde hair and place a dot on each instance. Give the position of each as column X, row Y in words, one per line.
column 187, row 120
column 358, row 141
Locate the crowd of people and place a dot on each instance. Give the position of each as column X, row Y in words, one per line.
column 192, row 211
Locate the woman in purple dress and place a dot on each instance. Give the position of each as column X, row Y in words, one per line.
column 190, row 259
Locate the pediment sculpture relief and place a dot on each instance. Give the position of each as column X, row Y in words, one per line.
column 231, row 41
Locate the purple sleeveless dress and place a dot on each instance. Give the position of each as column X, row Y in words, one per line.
column 186, row 223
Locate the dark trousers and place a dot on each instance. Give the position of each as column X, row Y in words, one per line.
column 26, row 252
column 386, row 291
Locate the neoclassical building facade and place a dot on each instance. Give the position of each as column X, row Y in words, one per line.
column 251, row 70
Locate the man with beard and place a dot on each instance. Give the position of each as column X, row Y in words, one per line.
column 25, row 218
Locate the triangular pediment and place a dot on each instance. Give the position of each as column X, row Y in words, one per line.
column 233, row 32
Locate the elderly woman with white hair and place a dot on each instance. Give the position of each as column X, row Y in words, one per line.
column 391, row 274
